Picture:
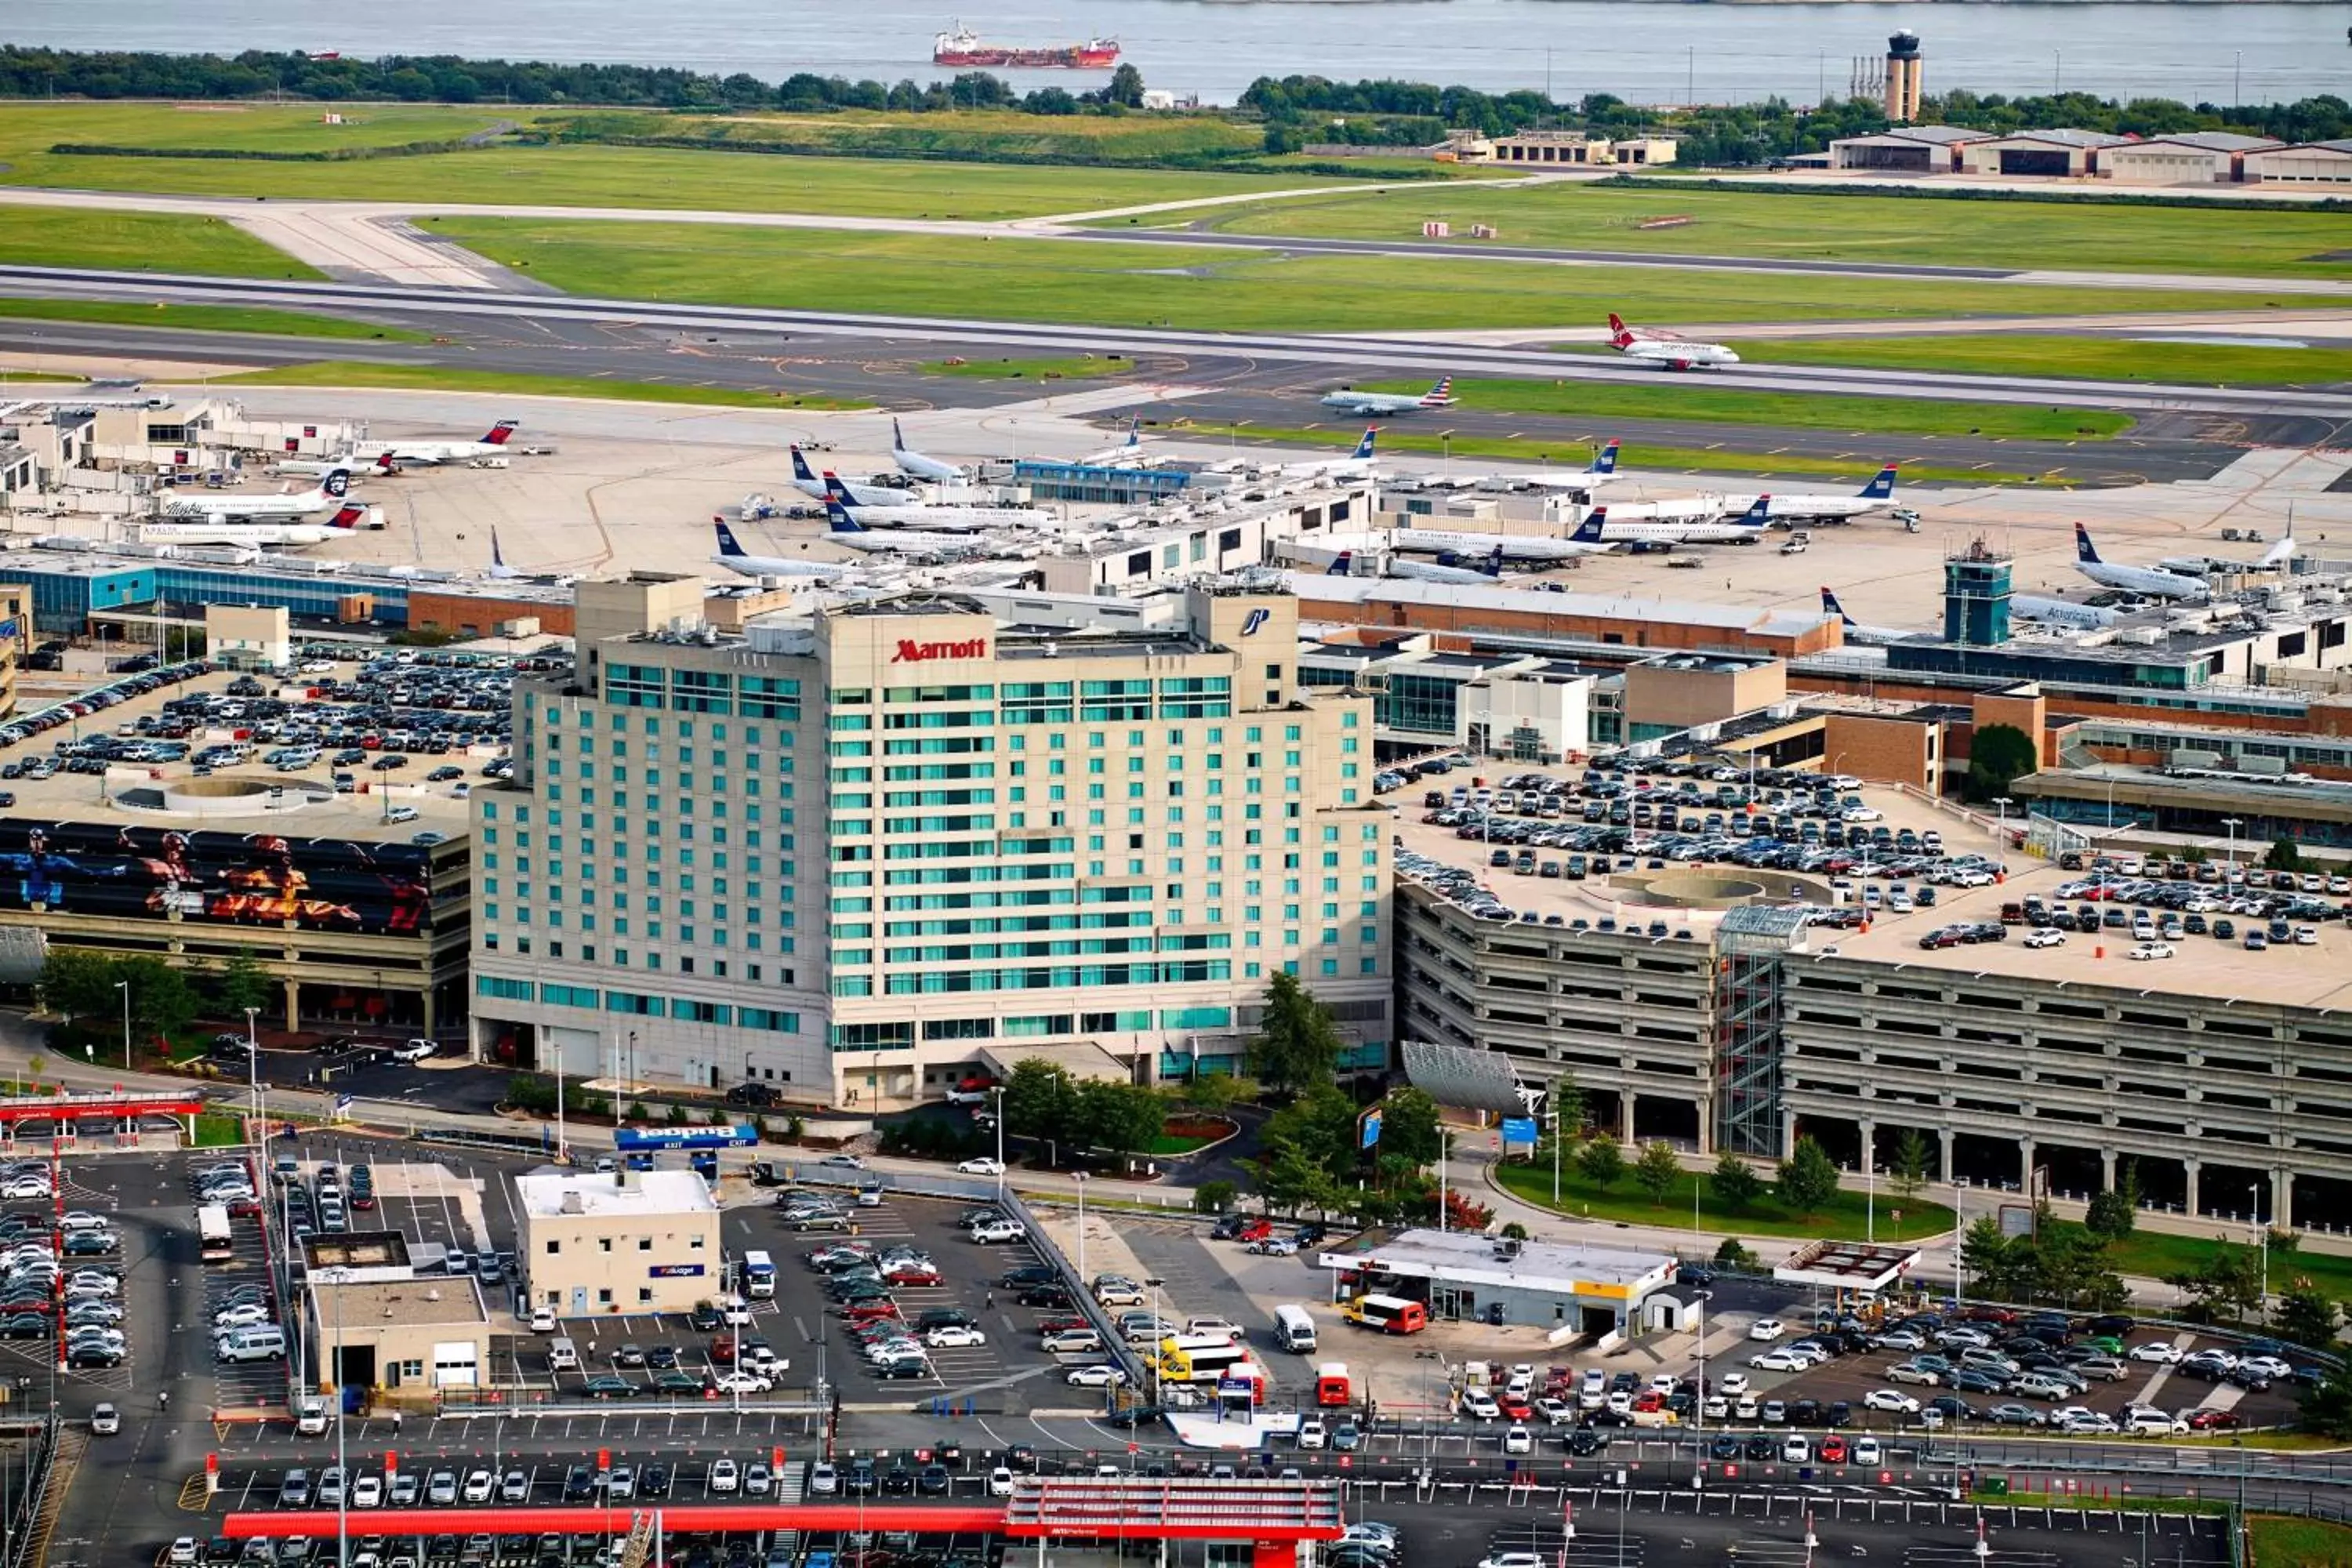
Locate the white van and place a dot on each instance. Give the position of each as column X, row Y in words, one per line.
column 262, row 1342
column 563, row 1356
column 1294, row 1330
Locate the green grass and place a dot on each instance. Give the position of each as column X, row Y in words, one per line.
column 1111, row 284
column 1782, row 410
column 1844, row 1217
column 2277, row 1540
column 1917, row 230
column 138, row 242
column 966, row 133
column 2202, row 1507
column 1168, row 1144
column 1575, row 448
column 564, row 175
column 2104, row 359
column 1070, row 367
column 218, row 1130
column 438, row 378
column 207, row 319
column 2159, row 1254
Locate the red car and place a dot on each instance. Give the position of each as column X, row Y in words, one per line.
column 2215, row 1421
column 1515, row 1407
column 1253, row 1230
column 870, row 1311
column 1055, row 1322
column 912, row 1274
column 722, row 1349
column 1832, row 1449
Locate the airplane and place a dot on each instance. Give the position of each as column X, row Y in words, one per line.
column 1876, row 496
column 1365, row 405
column 2150, row 581
column 220, row 532
column 1128, row 454
column 1855, row 632
column 1608, row 526
column 911, row 461
column 1355, row 465
column 1598, row 472
column 431, row 452
column 500, row 570
column 1665, row 350
column 948, row 519
column 1436, row 542
column 808, row 484
column 2063, row 613
column 319, row 467
column 1344, row 566
column 735, row 558
column 2276, row 556
column 220, row 509
column 846, row 530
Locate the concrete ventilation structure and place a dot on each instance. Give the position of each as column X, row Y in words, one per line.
column 1906, row 67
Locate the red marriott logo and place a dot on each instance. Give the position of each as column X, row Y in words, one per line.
column 912, row 652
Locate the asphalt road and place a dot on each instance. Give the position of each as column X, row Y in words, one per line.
column 1348, row 355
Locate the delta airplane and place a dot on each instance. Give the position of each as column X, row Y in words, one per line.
column 432, row 452
column 2270, row 560
column 735, row 558
column 948, row 519
column 1356, row 464
column 1433, row 542
column 346, row 519
column 319, row 467
column 2148, row 581
column 220, row 509
column 1605, row 525
column 808, row 484
column 911, row 461
column 1366, row 404
column 2063, row 613
column 1876, row 496
column 1855, row 632
column 1344, row 566
column 846, row 530
column 1664, row 350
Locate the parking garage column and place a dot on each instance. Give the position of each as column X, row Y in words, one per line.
column 2106, row 1170
column 1625, row 1117
column 2025, row 1168
column 2282, row 1215
column 1944, row 1137
column 293, row 1005
column 2188, row 1187
column 1705, row 1129
column 1869, row 1148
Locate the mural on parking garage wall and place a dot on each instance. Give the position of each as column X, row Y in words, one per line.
column 234, row 878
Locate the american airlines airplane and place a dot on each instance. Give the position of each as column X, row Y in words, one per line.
column 431, row 452
column 735, row 558
column 1608, row 525
column 950, row 519
column 346, row 519
column 847, row 530
column 911, row 461
column 2148, row 581
column 1876, row 496
column 1855, row 632
column 1367, row 404
column 808, row 484
column 2062, row 613
column 220, row 509
column 1438, row 541
column 1664, row 350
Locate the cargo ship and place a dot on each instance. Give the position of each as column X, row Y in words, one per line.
column 963, row 47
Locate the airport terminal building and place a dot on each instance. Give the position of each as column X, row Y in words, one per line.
column 845, row 853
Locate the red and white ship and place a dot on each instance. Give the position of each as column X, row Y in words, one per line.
column 963, row 47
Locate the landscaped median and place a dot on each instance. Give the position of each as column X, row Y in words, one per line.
column 206, row 319
column 138, row 242
column 2149, row 355
column 2277, row 1540
column 441, row 378
column 1844, row 1214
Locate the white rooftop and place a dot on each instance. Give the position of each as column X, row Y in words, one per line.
column 1481, row 1259
column 603, row 1193
column 1320, row 588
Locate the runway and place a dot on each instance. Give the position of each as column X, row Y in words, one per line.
column 1343, row 355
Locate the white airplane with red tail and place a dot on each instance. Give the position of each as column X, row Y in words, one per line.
column 1664, row 350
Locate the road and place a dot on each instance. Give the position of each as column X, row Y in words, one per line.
column 1343, row 355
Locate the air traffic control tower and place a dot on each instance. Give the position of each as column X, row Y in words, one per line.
column 1976, row 595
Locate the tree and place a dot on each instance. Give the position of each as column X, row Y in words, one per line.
column 2114, row 1213
column 1568, row 1107
column 1998, row 756
column 1298, row 1045
column 1126, row 88
column 1213, row 1198
column 1906, row 1174
column 1657, row 1171
column 1601, row 1162
column 1990, row 1258
column 2307, row 1317
column 1734, row 1183
column 1734, row 1254
column 2327, row 1409
column 2227, row 1286
column 1409, row 1126
column 162, row 1000
column 1116, row 1115
column 1217, row 1092
column 2282, row 855
column 1040, row 1100
column 78, row 983
column 1807, row 1180
column 242, row 984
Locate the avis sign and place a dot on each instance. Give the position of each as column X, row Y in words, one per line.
column 910, row 651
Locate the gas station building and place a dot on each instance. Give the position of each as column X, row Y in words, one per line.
column 1472, row 1277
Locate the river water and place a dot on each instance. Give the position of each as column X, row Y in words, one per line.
column 1645, row 52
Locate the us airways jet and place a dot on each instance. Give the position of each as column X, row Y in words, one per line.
column 2151, row 582
column 946, row 518
column 1876, row 496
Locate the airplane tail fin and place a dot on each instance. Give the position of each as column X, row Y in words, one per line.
column 1757, row 515
column 898, row 436
column 1883, row 487
column 726, row 544
column 837, row 518
column 347, row 517
column 1588, row 530
column 800, row 464
column 2277, row 554
column 1440, row 392
column 1342, row 564
column 1493, row 565
column 1134, row 431
column 497, row 556
column 383, row 462
column 1363, row 453
column 501, row 431
column 1605, row 460
column 2084, row 551
column 1618, row 331
column 337, row 484
column 835, row 492
column 1830, row 607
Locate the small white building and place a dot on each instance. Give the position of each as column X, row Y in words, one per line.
column 2194, row 158
column 249, row 637
column 618, row 1241
column 2051, row 154
column 2305, row 163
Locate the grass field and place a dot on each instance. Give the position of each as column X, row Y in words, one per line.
column 2101, row 359
column 206, row 319
column 1572, row 451
column 2159, row 1254
column 967, row 133
column 1845, row 1216
column 1921, row 230
column 1862, row 416
column 2280, row 1541
column 1068, row 367
column 554, row 175
column 1182, row 286
column 435, row 378
column 141, row 242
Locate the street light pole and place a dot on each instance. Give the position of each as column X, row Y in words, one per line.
column 259, row 1136
column 998, row 1090
column 2232, row 823
column 124, row 986
column 1080, row 1177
